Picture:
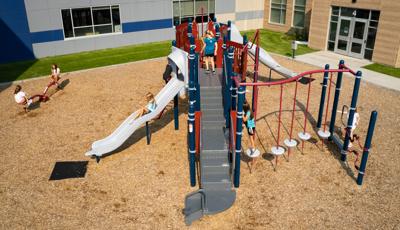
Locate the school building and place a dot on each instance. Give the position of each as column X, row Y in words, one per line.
column 367, row 29
column 39, row 28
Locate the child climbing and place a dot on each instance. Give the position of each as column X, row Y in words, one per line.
column 248, row 119
column 356, row 120
column 209, row 50
column 22, row 98
column 150, row 107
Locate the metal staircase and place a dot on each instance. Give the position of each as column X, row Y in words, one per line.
column 216, row 192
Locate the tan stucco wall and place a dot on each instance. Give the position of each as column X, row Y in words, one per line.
column 249, row 24
column 249, row 5
column 387, row 43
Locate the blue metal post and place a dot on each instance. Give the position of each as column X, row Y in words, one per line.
column 192, row 145
column 336, row 100
column 229, row 30
column 176, row 112
column 367, row 145
column 148, row 134
column 231, row 74
column 238, row 149
column 217, row 32
column 196, row 82
column 351, row 115
column 174, row 43
column 323, row 93
column 229, row 99
column 191, row 118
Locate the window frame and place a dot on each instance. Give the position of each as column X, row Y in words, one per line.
column 93, row 25
column 294, row 10
column 194, row 15
column 270, row 10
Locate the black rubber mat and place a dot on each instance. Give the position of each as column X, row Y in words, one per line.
column 69, row 169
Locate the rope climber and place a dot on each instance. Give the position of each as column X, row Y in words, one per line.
column 304, row 136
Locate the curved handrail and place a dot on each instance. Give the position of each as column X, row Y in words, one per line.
column 292, row 79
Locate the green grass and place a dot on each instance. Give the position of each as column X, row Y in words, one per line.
column 277, row 42
column 392, row 71
column 85, row 60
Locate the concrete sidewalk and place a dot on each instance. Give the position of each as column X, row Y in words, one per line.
column 321, row 58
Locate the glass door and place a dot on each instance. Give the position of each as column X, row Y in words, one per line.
column 343, row 36
column 358, row 38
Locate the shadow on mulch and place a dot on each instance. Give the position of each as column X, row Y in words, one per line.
column 69, row 169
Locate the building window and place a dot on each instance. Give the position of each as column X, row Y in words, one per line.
column 278, row 11
column 333, row 28
column 192, row 10
column 89, row 21
column 299, row 13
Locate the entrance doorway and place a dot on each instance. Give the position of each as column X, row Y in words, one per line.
column 351, row 36
column 352, row 31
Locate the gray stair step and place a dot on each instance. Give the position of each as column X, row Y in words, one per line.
column 215, row 177
column 221, row 185
column 207, row 124
column 213, row 117
column 213, row 112
column 212, row 106
column 214, row 161
column 214, row 93
column 220, row 169
column 213, row 139
column 211, row 100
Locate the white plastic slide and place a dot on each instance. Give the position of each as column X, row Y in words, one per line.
column 265, row 58
column 177, row 58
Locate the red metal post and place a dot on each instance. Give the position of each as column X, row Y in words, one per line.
column 280, row 117
column 197, row 120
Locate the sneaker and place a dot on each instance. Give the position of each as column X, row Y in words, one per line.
column 214, row 72
column 252, row 152
column 207, row 71
column 29, row 102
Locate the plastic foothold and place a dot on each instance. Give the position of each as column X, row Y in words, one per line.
column 97, row 159
column 277, row 150
column 290, row 143
column 255, row 153
column 324, row 134
column 304, row 136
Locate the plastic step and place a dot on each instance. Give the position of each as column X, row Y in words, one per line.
column 212, row 106
column 221, row 161
column 212, row 154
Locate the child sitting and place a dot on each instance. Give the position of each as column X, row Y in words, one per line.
column 21, row 97
column 150, row 107
column 55, row 77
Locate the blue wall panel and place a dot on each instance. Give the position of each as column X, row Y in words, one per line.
column 47, row 36
column 146, row 25
column 15, row 40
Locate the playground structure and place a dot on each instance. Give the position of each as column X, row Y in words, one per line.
column 214, row 182
column 215, row 115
